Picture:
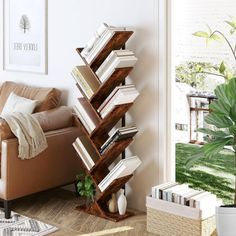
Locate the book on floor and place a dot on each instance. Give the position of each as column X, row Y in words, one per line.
column 118, row 134
column 123, row 168
column 120, row 95
column 116, row 59
column 86, row 80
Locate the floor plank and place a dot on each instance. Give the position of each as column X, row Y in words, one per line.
column 57, row 207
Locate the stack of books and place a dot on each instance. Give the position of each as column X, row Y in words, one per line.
column 118, row 134
column 101, row 37
column 116, row 59
column 124, row 167
column 85, row 118
column 86, row 80
column 120, row 95
column 184, row 195
column 86, row 151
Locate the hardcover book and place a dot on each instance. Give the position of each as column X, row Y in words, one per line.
column 86, row 80
column 123, row 168
column 116, row 59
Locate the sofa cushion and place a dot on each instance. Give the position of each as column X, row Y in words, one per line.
column 16, row 103
column 54, row 119
column 48, row 98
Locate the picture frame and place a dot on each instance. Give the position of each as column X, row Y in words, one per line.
column 25, row 36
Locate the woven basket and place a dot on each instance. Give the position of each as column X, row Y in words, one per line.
column 171, row 224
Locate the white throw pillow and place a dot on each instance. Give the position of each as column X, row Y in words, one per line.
column 16, row 103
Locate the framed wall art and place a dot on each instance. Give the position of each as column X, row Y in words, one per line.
column 25, row 35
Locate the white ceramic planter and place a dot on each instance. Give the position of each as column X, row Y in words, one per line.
column 226, row 221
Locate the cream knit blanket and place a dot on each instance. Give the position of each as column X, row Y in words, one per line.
column 27, row 129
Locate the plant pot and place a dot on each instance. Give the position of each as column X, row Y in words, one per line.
column 226, row 220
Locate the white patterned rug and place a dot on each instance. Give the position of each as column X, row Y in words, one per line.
column 19, row 225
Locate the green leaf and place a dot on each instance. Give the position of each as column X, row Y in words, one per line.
column 222, row 93
column 87, row 185
column 222, row 67
column 233, row 112
column 194, row 157
column 201, row 34
column 213, row 148
column 231, row 23
column 216, row 37
column 79, row 185
column 217, row 133
column 232, row 129
column 232, row 31
column 218, row 120
column 208, row 41
column 82, row 193
column 231, row 90
column 220, row 107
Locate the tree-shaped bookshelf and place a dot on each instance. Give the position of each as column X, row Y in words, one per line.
column 100, row 134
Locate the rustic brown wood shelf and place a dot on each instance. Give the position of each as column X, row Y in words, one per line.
column 111, row 154
column 117, row 41
column 117, row 78
column 103, row 125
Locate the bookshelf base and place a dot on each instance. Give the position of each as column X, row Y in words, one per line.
column 115, row 217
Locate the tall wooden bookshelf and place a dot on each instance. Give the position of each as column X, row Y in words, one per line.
column 103, row 126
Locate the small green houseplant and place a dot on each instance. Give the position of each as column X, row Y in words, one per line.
column 85, row 188
column 221, row 135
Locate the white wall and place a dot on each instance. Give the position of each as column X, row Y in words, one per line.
column 191, row 16
column 70, row 24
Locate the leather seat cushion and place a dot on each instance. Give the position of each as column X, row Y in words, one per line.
column 54, row 119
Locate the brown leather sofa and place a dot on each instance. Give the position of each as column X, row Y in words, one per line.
column 56, row 166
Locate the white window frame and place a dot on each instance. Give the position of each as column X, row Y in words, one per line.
column 166, row 150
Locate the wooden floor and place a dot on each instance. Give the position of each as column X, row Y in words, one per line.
column 57, row 207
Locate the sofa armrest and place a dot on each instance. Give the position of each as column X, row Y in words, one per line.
column 56, row 166
column 53, row 119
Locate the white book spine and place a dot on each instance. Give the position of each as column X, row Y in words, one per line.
column 82, row 120
column 101, row 43
column 80, row 154
column 118, row 62
column 121, row 98
column 83, row 84
column 85, row 115
column 87, row 91
column 86, row 154
column 105, row 64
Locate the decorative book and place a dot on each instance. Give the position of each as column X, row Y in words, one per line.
column 116, row 59
column 118, row 134
column 85, row 114
column 124, row 167
column 120, row 95
column 87, row 81
column 86, row 151
column 105, row 35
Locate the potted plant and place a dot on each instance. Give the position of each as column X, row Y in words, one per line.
column 223, row 120
column 85, row 188
column 221, row 134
